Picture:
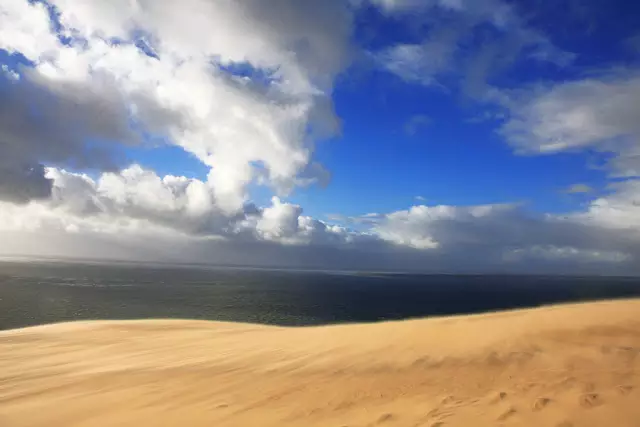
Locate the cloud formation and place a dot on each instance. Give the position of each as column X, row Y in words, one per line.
column 457, row 49
column 246, row 87
column 144, row 207
column 578, row 189
column 136, row 200
column 594, row 113
column 243, row 86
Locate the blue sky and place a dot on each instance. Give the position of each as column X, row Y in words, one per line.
column 426, row 131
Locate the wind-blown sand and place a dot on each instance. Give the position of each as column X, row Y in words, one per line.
column 574, row 365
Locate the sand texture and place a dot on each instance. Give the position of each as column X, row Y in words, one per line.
column 562, row 366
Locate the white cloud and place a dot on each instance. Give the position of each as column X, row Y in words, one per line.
column 564, row 254
column 618, row 210
column 9, row 73
column 395, row 7
column 169, row 218
column 404, row 6
column 284, row 223
column 452, row 47
column 137, row 201
column 245, row 86
column 279, row 221
column 421, row 226
column 608, row 233
column 242, row 128
column 132, row 200
column 418, row 63
column 100, row 217
column 579, row 188
column 415, row 123
column 601, row 114
column 25, row 29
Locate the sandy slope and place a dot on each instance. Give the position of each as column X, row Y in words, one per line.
column 562, row 366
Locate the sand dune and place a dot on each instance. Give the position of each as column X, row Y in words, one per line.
column 575, row 365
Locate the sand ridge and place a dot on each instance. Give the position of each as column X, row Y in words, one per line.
column 561, row 366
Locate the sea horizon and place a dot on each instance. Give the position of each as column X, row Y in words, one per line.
column 48, row 291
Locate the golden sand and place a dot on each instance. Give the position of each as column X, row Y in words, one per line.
column 562, row 366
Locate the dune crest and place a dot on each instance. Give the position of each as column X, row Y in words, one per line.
column 562, row 366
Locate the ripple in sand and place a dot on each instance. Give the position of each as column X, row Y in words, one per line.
column 541, row 403
column 589, row 400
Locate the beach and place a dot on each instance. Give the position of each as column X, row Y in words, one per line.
column 560, row 366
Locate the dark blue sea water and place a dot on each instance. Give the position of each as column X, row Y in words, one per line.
column 46, row 292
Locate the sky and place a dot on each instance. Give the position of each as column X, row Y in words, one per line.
column 441, row 136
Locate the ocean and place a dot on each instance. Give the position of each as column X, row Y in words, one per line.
column 47, row 292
